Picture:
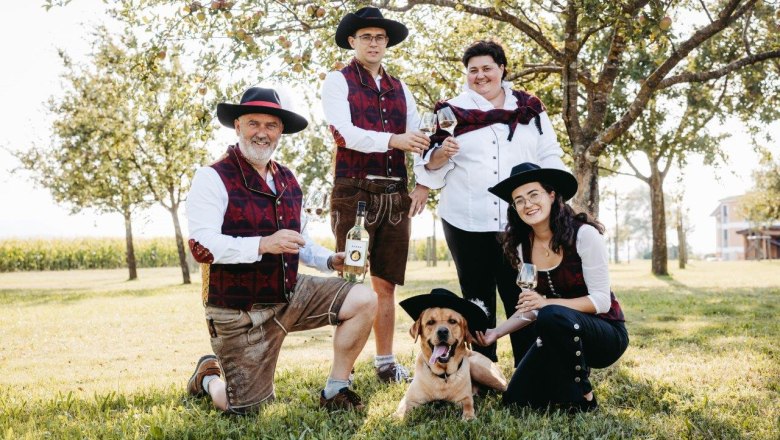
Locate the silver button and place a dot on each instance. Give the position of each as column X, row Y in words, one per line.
column 576, row 326
column 577, row 379
column 384, row 109
column 576, row 339
column 278, row 202
column 578, row 368
column 578, row 352
column 286, row 280
column 280, row 217
column 285, row 264
column 389, row 157
column 385, row 121
column 383, row 98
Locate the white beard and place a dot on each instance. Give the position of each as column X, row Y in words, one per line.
column 256, row 155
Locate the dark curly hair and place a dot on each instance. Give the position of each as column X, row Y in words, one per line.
column 563, row 222
column 486, row 47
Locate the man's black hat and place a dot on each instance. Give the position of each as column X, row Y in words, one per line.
column 365, row 18
column 260, row 100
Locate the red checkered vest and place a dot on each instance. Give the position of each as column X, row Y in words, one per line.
column 253, row 209
column 375, row 110
column 568, row 280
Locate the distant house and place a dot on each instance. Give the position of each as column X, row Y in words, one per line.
column 735, row 238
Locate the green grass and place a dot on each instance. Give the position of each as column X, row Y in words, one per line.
column 85, row 354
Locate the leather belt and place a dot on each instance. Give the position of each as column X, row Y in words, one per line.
column 373, row 186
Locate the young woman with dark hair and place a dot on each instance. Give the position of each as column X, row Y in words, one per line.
column 571, row 322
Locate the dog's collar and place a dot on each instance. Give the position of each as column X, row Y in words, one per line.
column 445, row 375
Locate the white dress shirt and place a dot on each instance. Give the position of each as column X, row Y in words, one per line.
column 206, row 206
column 593, row 252
column 335, row 104
column 485, row 158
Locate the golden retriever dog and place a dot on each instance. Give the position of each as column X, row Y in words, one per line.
column 446, row 369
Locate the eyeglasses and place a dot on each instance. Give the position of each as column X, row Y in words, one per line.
column 519, row 203
column 368, row 38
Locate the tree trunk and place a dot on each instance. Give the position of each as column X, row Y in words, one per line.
column 659, row 221
column 185, row 270
column 129, row 249
column 433, row 242
column 617, row 230
column 682, row 248
column 587, row 198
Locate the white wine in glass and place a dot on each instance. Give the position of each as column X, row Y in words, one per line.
column 447, row 120
column 428, row 123
column 526, row 280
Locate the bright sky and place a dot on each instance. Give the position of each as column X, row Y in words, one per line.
column 30, row 76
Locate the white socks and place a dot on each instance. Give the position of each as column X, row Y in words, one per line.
column 333, row 386
column 384, row 360
column 206, row 381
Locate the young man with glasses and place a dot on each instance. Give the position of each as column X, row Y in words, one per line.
column 374, row 121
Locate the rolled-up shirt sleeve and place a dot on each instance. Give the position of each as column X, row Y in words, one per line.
column 548, row 149
column 595, row 270
column 335, row 105
column 206, row 205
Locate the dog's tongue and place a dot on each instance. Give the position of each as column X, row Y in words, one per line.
column 438, row 351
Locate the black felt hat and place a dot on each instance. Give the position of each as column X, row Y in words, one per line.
column 564, row 182
column 365, row 18
column 475, row 315
column 260, row 100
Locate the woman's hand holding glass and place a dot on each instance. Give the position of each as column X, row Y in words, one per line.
column 530, row 301
column 450, row 147
column 526, row 280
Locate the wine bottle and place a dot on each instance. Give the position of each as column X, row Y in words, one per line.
column 356, row 248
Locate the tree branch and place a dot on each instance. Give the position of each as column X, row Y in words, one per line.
column 637, row 174
column 715, row 74
column 727, row 16
column 492, row 13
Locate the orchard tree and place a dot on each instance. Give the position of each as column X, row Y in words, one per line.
column 666, row 134
column 174, row 125
column 572, row 53
column 87, row 164
column 762, row 204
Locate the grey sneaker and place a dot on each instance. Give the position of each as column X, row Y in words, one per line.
column 207, row 366
column 394, row 372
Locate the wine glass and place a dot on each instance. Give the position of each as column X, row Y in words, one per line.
column 428, row 123
column 447, row 120
column 526, row 280
column 315, row 205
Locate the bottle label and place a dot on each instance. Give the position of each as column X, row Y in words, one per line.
column 355, row 251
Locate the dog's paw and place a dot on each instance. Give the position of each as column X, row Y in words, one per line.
column 469, row 416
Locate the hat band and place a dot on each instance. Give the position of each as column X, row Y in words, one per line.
column 262, row 104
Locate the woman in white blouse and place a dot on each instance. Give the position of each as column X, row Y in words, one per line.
column 570, row 321
column 497, row 128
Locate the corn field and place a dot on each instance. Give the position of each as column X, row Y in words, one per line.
column 84, row 253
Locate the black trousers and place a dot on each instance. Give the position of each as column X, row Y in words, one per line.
column 556, row 367
column 482, row 268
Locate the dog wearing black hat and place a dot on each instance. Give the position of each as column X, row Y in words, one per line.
column 446, row 368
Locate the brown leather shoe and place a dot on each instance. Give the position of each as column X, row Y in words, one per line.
column 394, row 372
column 345, row 399
column 207, row 366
